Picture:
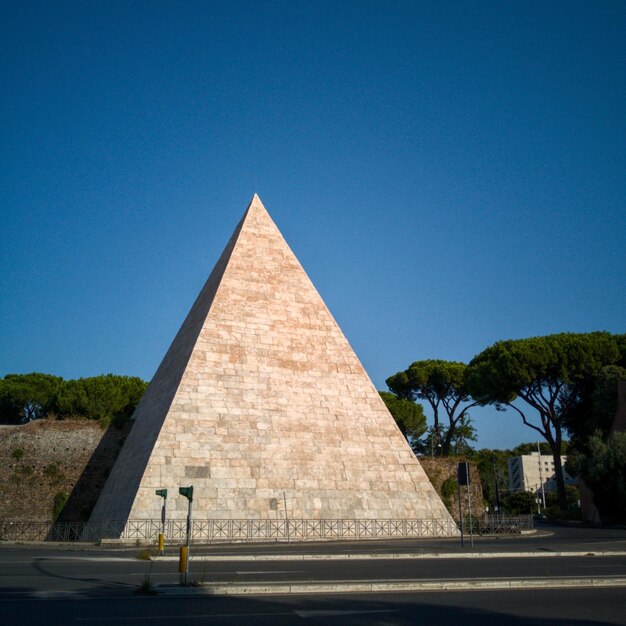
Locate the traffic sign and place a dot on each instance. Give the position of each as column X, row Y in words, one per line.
column 187, row 492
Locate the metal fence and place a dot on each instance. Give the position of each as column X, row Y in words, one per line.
column 226, row 531
column 496, row 525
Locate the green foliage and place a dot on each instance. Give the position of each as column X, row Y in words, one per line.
column 109, row 398
column 523, row 367
column 18, row 454
column 146, row 588
column 408, row 415
column 531, row 448
column 448, row 489
column 552, row 500
column 60, row 500
column 545, row 374
column 493, row 470
column 596, row 406
column 464, row 432
column 571, row 512
column 145, row 555
column 442, row 385
column 23, row 471
column 25, row 397
column 595, row 453
column 101, row 397
column 53, row 473
column 621, row 346
column 520, row 503
column 603, row 468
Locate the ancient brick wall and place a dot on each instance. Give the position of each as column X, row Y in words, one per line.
column 45, row 458
column 440, row 470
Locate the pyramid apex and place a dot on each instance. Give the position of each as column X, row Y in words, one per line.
column 255, row 205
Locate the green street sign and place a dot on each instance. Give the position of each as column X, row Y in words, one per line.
column 187, row 492
column 161, row 492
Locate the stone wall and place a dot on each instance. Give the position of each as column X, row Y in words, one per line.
column 75, row 457
column 439, row 470
column 70, row 457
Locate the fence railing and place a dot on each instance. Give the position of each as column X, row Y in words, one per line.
column 226, row 531
column 496, row 525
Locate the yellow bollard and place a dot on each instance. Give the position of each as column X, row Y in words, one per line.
column 182, row 563
column 161, row 543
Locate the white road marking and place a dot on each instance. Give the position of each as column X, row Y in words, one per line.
column 187, row 617
column 337, row 613
column 272, row 571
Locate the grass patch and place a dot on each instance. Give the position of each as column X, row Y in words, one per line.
column 145, row 555
column 60, row 500
column 146, row 588
column 54, row 474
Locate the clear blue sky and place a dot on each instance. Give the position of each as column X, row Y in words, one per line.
column 448, row 173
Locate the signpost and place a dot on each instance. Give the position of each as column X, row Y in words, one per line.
column 463, row 478
column 183, row 565
column 163, row 494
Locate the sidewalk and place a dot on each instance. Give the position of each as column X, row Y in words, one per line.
column 384, row 548
column 408, row 586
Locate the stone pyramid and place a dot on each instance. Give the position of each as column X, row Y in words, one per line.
column 261, row 400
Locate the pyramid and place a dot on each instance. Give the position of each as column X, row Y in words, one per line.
column 261, row 400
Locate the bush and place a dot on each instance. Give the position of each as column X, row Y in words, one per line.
column 53, row 472
column 571, row 513
column 18, row 454
column 60, row 500
column 520, row 503
column 604, row 471
column 448, row 489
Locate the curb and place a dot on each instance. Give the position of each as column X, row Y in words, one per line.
column 384, row 556
column 238, row 589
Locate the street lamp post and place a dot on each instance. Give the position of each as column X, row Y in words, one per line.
column 543, row 493
column 495, row 476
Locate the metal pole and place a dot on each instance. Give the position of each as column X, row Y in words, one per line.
column 286, row 517
column 458, row 484
column 543, row 493
column 162, row 542
column 188, row 538
column 495, row 474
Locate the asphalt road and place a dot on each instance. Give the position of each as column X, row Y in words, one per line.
column 580, row 607
column 549, row 537
column 56, row 585
column 57, row 573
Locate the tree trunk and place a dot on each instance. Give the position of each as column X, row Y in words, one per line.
column 555, row 445
column 447, row 442
column 437, row 433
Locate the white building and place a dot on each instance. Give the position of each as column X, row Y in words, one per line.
column 528, row 471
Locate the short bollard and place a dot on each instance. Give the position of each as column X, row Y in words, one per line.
column 182, row 564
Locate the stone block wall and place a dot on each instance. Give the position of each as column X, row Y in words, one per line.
column 71, row 457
